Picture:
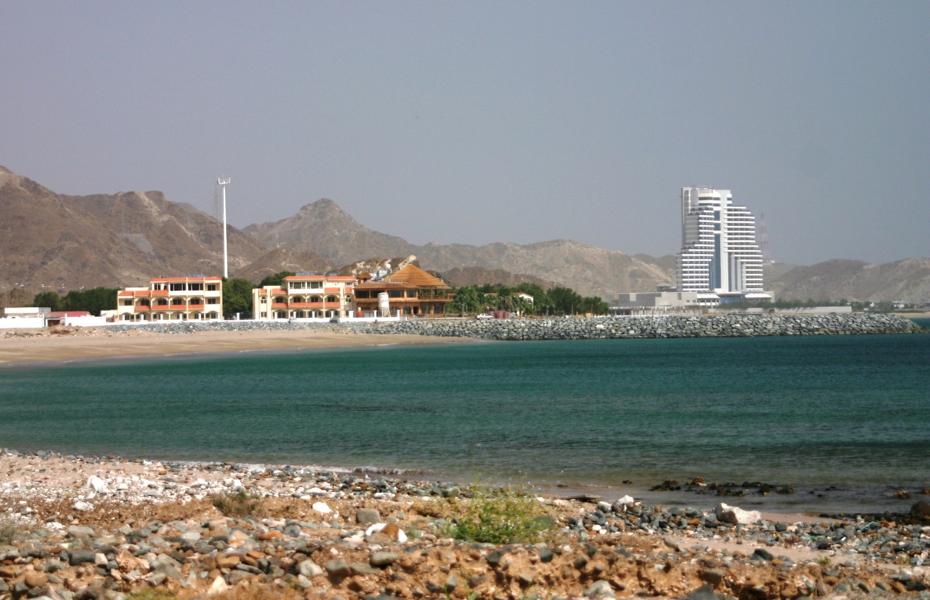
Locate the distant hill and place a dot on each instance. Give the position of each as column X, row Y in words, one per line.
column 323, row 228
column 51, row 241
column 59, row 242
column 462, row 276
column 906, row 280
column 282, row 259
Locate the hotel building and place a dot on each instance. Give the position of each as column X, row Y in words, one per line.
column 720, row 258
column 410, row 291
column 304, row 296
column 172, row 299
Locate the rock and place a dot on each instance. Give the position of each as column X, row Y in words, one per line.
column 100, row 559
column 921, row 510
column 80, row 531
column 600, row 589
column 763, row 554
column 80, row 557
column 704, row 593
column 303, row 582
column 736, row 515
column 83, row 506
column 367, row 516
column 97, row 485
column 227, row 561
column 218, row 586
column 35, row 579
column 712, row 576
column 338, row 568
column 322, row 508
column 309, row 569
column 382, row 559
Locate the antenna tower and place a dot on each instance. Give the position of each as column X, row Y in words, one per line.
column 221, row 183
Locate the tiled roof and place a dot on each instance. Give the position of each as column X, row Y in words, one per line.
column 415, row 276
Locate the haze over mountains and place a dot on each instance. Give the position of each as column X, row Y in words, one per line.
column 60, row 242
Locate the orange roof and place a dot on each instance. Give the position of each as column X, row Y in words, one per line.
column 415, row 276
column 184, row 279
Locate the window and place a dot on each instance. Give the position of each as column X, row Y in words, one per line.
column 211, row 287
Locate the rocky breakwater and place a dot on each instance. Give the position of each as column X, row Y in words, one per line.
column 92, row 528
column 729, row 325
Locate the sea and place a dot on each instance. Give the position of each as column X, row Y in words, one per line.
column 842, row 423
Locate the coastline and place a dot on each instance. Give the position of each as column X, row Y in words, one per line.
column 49, row 347
column 86, row 525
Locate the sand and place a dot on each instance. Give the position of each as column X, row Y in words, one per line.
column 26, row 347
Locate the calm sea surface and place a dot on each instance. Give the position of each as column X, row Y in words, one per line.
column 850, row 411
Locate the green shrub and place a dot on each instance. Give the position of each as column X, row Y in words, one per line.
column 151, row 594
column 498, row 516
column 7, row 532
column 239, row 504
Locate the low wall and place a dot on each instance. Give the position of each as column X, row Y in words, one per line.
column 650, row 327
column 22, row 323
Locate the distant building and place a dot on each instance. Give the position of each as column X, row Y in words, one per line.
column 409, row 291
column 172, row 299
column 654, row 302
column 305, row 296
column 720, row 259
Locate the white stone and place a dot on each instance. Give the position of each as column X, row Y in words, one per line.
column 736, row 515
column 322, row 508
column 97, row 484
column 626, row 500
column 218, row 586
column 83, row 506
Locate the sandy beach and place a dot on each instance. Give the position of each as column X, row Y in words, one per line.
column 21, row 347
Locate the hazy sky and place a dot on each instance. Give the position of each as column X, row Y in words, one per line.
column 490, row 121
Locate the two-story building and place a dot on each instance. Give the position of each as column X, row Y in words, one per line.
column 172, row 299
column 410, row 291
column 305, row 296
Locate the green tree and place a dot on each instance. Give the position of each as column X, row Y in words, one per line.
column 276, row 279
column 565, row 301
column 237, row 297
column 93, row 300
column 49, row 299
column 467, row 300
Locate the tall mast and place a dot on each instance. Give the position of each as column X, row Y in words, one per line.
column 223, row 182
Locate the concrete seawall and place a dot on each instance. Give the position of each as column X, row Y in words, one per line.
column 649, row 327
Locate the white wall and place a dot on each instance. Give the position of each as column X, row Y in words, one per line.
column 23, row 323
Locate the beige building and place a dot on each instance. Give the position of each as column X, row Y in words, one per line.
column 305, row 296
column 172, row 299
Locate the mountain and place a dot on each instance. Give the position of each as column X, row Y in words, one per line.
column 58, row 242
column 326, row 230
column 906, row 280
column 462, row 276
column 323, row 228
column 282, row 259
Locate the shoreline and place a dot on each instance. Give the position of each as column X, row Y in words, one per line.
column 27, row 348
column 107, row 523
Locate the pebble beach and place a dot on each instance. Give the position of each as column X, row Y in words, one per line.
column 108, row 527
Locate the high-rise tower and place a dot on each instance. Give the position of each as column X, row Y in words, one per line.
column 719, row 252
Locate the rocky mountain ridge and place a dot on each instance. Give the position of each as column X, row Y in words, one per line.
column 52, row 241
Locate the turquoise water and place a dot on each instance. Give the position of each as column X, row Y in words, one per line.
column 844, row 410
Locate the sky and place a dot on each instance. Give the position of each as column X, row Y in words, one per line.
column 484, row 121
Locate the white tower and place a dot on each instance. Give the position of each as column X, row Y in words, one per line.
column 222, row 182
column 719, row 253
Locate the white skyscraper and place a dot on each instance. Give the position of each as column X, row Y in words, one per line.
column 720, row 258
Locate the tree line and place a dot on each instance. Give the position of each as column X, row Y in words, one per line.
column 474, row 299
column 469, row 300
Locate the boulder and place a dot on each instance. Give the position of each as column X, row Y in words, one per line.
column 736, row 515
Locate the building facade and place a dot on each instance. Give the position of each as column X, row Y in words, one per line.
column 410, row 291
column 172, row 299
column 720, row 258
column 305, row 296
